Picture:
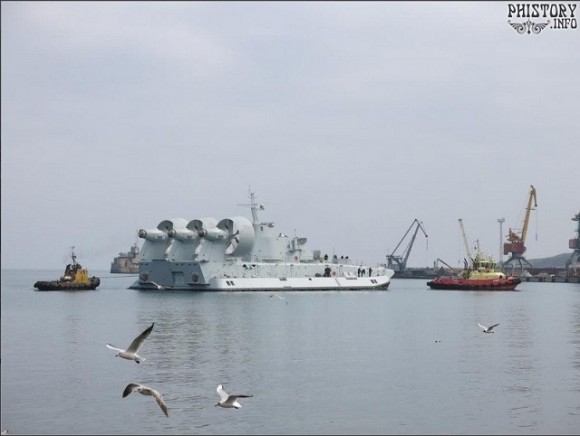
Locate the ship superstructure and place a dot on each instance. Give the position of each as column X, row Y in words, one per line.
column 236, row 254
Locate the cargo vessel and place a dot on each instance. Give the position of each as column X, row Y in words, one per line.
column 236, row 254
column 126, row 263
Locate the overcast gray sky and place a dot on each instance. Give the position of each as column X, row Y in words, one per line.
column 348, row 121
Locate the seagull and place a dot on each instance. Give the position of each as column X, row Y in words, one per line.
column 145, row 390
column 488, row 329
column 280, row 298
column 229, row 401
column 131, row 352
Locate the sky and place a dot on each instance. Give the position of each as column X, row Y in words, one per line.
column 348, row 120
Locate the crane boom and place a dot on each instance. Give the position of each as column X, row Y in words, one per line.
column 528, row 210
column 516, row 246
column 453, row 270
column 465, row 239
column 401, row 260
column 517, row 241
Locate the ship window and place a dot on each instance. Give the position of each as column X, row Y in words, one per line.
column 283, row 279
column 194, row 278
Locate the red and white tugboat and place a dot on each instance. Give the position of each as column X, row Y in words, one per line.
column 480, row 275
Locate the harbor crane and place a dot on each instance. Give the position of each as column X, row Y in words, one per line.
column 467, row 250
column 471, row 259
column 436, row 267
column 516, row 245
column 573, row 263
column 399, row 262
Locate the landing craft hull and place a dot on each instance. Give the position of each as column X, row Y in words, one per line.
column 279, row 284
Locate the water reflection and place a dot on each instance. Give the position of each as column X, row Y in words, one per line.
column 351, row 363
column 520, row 368
column 574, row 340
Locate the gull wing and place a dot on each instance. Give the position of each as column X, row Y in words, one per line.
column 482, row 326
column 111, row 347
column 492, row 326
column 160, row 401
column 129, row 388
column 138, row 341
column 223, row 395
column 240, row 396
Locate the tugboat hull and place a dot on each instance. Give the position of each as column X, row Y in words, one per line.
column 445, row 283
column 67, row 286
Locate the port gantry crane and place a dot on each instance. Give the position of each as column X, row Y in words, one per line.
column 399, row 263
column 516, row 246
column 573, row 264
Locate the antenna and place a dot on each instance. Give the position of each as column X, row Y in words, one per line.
column 252, row 198
column 253, row 206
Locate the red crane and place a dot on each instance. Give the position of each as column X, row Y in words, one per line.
column 516, row 245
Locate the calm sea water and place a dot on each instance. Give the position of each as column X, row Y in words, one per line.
column 325, row 363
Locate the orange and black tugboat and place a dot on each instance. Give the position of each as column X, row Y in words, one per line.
column 480, row 275
column 75, row 278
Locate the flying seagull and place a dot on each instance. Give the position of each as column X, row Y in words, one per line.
column 145, row 390
column 229, row 401
column 488, row 329
column 280, row 298
column 131, row 352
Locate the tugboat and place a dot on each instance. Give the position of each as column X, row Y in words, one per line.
column 480, row 276
column 75, row 278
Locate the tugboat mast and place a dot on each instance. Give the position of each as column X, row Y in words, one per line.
column 73, row 255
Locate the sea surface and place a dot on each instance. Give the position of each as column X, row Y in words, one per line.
column 408, row 360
